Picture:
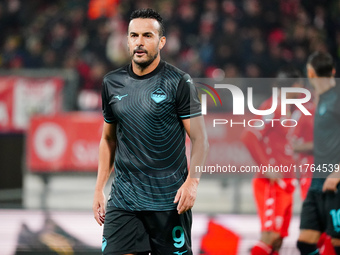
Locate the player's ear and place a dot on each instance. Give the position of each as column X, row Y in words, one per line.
column 310, row 72
column 333, row 71
column 162, row 42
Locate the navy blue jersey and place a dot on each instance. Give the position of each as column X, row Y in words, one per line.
column 326, row 136
column 150, row 162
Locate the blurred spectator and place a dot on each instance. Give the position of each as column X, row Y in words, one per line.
column 12, row 56
column 252, row 70
column 102, row 8
column 49, row 59
column 34, row 49
column 232, row 71
column 116, row 47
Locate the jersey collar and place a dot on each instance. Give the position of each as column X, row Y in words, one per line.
column 146, row 76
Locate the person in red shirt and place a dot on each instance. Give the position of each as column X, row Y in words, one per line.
column 269, row 146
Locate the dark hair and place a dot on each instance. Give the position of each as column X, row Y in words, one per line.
column 287, row 76
column 322, row 63
column 149, row 14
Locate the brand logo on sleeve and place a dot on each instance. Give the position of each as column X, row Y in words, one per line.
column 158, row 95
column 180, row 252
column 120, row 97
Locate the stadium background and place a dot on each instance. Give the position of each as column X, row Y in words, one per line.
column 53, row 55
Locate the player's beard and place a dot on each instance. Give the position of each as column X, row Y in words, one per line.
column 144, row 63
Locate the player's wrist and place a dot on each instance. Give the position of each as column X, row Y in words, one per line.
column 99, row 190
column 192, row 180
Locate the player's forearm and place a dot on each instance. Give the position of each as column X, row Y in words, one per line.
column 195, row 128
column 199, row 152
column 304, row 147
column 105, row 163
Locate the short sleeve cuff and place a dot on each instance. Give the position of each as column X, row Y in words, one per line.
column 190, row 115
column 109, row 121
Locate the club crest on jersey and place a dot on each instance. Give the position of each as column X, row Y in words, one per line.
column 158, row 95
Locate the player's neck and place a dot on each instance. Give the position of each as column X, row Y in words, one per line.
column 322, row 85
column 140, row 71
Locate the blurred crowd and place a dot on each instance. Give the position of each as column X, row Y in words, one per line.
column 206, row 38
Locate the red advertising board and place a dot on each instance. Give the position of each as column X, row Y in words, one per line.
column 69, row 142
column 65, row 142
column 21, row 97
